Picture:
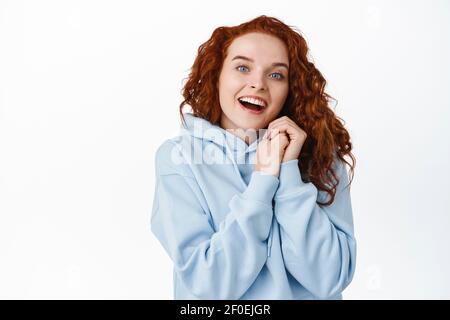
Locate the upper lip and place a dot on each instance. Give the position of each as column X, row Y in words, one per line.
column 255, row 97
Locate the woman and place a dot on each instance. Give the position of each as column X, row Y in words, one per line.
column 238, row 196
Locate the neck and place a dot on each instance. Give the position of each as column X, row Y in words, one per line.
column 248, row 136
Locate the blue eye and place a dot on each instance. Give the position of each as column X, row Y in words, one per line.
column 242, row 67
column 280, row 76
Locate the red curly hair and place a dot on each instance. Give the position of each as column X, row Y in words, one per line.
column 306, row 103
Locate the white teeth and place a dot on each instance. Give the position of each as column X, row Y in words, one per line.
column 254, row 101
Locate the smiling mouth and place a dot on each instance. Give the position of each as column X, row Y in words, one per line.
column 250, row 106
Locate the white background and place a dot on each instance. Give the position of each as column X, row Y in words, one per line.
column 90, row 89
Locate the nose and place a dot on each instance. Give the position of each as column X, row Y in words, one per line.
column 258, row 82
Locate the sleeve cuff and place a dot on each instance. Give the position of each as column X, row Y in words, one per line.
column 262, row 187
column 289, row 177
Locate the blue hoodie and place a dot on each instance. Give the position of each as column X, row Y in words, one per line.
column 236, row 233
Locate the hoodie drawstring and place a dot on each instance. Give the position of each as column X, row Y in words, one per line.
column 229, row 154
column 269, row 241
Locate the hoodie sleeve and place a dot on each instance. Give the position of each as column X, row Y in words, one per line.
column 318, row 243
column 212, row 264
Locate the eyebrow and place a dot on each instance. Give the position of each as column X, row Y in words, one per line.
column 275, row 64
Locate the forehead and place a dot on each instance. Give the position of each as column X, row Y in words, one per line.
column 259, row 46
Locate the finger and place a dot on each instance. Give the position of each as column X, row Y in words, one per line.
column 266, row 134
column 283, row 137
column 281, row 120
column 280, row 141
column 287, row 128
column 284, row 141
column 271, row 134
column 278, row 135
column 294, row 132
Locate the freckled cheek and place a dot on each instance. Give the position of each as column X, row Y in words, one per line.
column 233, row 89
column 228, row 90
column 278, row 95
column 282, row 95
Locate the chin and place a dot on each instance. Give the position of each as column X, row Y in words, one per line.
column 248, row 125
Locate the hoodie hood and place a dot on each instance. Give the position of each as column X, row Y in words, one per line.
column 203, row 129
